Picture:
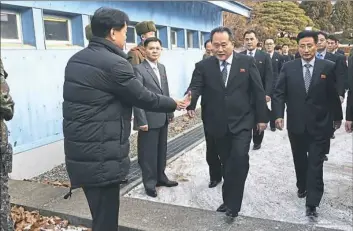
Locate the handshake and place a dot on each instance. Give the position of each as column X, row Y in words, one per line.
column 183, row 103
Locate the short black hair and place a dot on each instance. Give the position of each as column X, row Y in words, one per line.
column 308, row 34
column 332, row 37
column 249, row 32
column 222, row 29
column 322, row 33
column 151, row 39
column 278, row 47
column 269, row 39
column 285, row 45
column 105, row 19
column 205, row 44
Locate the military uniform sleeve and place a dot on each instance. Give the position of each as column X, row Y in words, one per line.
column 6, row 102
column 133, row 58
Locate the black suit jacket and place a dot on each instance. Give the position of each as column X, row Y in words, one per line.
column 349, row 109
column 229, row 108
column 340, row 71
column 264, row 65
column 149, row 79
column 277, row 63
column 340, row 52
column 287, row 58
column 314, row 110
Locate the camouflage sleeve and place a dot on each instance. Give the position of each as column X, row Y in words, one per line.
column 133, row 58
column 6, row 102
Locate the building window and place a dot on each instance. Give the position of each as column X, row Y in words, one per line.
column 131, row 35
column 190, row 36
column 11, row 31
column 57, row 30
column 203, row 40
column 173, row 38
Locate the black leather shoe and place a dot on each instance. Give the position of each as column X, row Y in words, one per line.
column 302, row 194
column 273, row 129
column 256, row 147
column 222, row 208
column 333, row 136
column 325, row 158
column 168, row 183
column 310, row 211
column 230, row 213
column 151, row 192
column 213, row 183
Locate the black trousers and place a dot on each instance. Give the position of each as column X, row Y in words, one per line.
column 104, row 205
column 212, row 158
column 272, row 118
column 308, row 153
column 234, row 152
column 256, row 136
column 152, row 155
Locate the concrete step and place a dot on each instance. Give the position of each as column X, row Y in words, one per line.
column 140, row 215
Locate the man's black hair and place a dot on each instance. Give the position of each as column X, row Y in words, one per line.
column 151, row 39
column 278, row 47
column 308, row 34
column 205, row 44
column 285, row 45
column 332, row 37
column 249, row 32
column 105, row 19
column 222, row 29
column 322, row 33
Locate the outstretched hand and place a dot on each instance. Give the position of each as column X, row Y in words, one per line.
column 184, row 103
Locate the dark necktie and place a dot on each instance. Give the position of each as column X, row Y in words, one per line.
column 250, row 53
column 224, row 72
column 307, row 77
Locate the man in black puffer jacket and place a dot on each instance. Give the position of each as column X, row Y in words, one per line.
column 99, row 91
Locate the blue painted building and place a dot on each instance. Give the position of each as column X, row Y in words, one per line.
column 38, row 38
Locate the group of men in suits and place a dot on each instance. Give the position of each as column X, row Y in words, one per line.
column 236, row 89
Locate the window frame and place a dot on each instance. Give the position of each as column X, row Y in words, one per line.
column 19, row 28
column 190, row 32
column 46, row 17
column 202, row 40
column 175, row 38
column 129, row 43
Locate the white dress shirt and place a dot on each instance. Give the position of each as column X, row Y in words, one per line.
column 154, row 67
column 323, row 54
column 252, row 54
column 229, row 65
column 271, row 54
column 311, row 69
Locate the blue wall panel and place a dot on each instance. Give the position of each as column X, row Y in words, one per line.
column 181, row 14
column 28, row 27
column 36, row 75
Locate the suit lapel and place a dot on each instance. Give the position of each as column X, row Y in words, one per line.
column 300, row 79
column 233, row 70
column 315, row 76
column 217, row 72
column 151, row 72
column 164, row 81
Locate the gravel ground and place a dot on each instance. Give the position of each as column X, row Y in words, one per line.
column 270, row 191
column 58, row 175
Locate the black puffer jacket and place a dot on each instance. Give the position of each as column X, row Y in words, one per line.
column 99, row 90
